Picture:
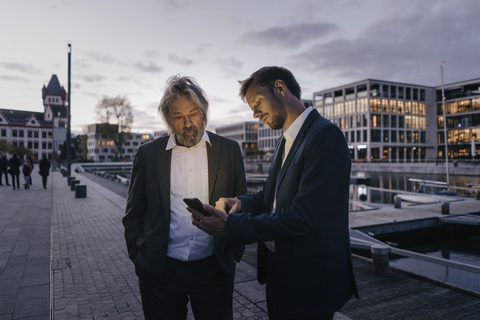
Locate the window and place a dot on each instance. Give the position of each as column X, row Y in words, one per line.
column 401, row 121
column 4, row 132
column 375, row 135
column 415, row 94
column 129, row 150
column 385, row 121
column 105, row 150
column 421, row 109
column 30, row 133
column 375, row 153
column 364, row 135
column 375, row 120
column 35, row 145
column 44, row 145
column 393, row 106
column 385, row 90
column 393, row 92
column 359, row 136
column 440, row 123
column 44, row 135
column 401, row 136
column 393, row 136
column 385, row 135
column 352, row 136
column 21, row 133
column 415, row 137
column 364, row 120
column 14, row 133
column 400, row 92
column 375, row 105
column 407, row 94
column 110, row 143
column 30, row 145
column 423, row 137
column 422, row 94
column 346, row 136
column 35, row 134
column 21, row 143
column 408, row 107
column 49, row 145
column 385, row 105
column 409, row 137
column 135, row 143
column 393, row 121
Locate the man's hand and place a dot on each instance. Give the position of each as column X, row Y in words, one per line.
column 230, row 205
column 215, row 225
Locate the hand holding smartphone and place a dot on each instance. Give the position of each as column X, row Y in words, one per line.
column 196, row 204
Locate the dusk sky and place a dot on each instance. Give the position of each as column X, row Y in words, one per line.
column 131, row 48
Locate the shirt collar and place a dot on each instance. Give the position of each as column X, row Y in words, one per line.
column 295, row 127
column 172, row 143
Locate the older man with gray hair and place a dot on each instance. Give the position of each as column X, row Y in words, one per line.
column 175, row 261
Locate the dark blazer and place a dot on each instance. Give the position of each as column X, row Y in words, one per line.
column 147, row 212
column 310, row 225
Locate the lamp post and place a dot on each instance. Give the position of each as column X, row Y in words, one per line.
column 69, row 113
column 445, row 130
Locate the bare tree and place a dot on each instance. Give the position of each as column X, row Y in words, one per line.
column 120, row 109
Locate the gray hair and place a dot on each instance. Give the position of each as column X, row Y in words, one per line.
column 186, row 87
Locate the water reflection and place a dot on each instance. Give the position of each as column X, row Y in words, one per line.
column 399, row 181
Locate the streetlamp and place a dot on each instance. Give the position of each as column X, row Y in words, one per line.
column 69, row 113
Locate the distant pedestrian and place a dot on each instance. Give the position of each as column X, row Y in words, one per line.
column 31, row 163
column 4, row 169
column 27, row 172
column 44, row 170
column 14, row 164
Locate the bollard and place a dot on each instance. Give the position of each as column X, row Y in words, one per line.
column 446, row 207
column 69, row 179
column 380, row 261
column 73, row 183
column 397, row 202
column 80, row 191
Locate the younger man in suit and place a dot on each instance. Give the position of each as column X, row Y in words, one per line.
column 174, row 260
column 300, row 218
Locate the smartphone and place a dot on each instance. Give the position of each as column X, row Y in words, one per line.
column 196, row 204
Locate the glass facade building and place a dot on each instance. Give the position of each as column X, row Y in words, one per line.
column 381, row 120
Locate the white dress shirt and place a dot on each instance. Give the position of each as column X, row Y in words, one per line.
column 188, row 179
column 290, row 135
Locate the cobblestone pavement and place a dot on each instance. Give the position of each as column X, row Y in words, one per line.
column 25, row 219
column 63, row 257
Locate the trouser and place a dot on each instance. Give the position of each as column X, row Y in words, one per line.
column 27, row 180
column 18, row 180
column 44, row 181
column 210, row 291
column 4, row 172
column 273, row 305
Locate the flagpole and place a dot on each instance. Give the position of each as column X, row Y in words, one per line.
column 445, row 130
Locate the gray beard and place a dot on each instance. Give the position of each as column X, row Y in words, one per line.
column 190, row 140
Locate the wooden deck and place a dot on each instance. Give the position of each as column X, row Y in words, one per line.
column 402, row 296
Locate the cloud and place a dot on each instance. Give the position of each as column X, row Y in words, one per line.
column 101, row 57
column 92, row 77
column 202, row 47
column 407, row 44
column 182, row 61
column 290, row 35
column 148, row 67
column 14, row 79
column 21, row 67
column 230, row 66
column 152, row 54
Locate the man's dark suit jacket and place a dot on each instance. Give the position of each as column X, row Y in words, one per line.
column 310, row 225
column 147, row 213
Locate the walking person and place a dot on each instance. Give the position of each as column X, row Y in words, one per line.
column 27, row 172
column 4, row 170
column 33, row 167
column 14, row 164
column 44, row 170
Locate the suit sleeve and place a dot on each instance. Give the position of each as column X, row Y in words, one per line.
column 136, row 206
column 240, row 189
column 324, row 178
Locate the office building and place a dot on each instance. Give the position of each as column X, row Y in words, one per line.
column 382, row 120
column 245, row 133
column 101, row 148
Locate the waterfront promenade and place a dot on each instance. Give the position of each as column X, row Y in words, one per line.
column 66, row 258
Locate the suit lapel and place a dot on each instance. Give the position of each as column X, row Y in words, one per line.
column 163, row 161
column 298, row 140
column 274, row 173
column 213, row 157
